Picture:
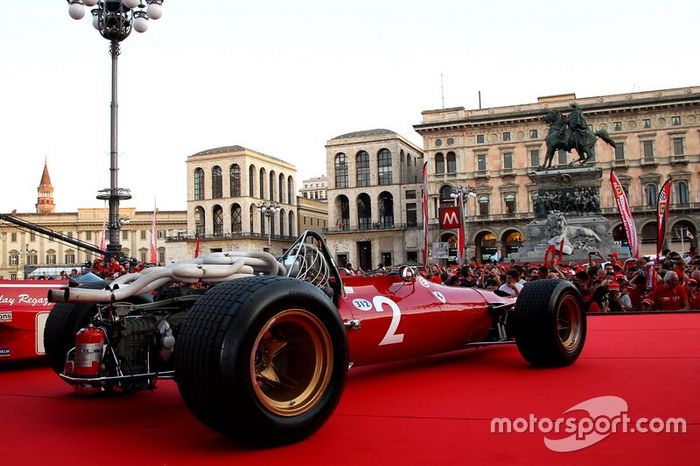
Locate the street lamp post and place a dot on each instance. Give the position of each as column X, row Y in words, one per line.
column 114, row 19
column 268, row 209
column 461, row 194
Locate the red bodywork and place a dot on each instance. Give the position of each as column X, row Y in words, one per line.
column 23, row 312
column 400, row 320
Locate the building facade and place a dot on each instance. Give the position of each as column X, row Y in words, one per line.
column 312, row 214
column 491, row 151
column 374, row 181
column 315, row 188
column 226, row 186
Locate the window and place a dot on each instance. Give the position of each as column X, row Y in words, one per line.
column 510, row 203
column 650, row 194
column 51, row 257
column 13, row 237
column 508, row 161
column 682, row 193
column 161, row 255
column 32, row 236
column 218, row 221
column 483, row 205
column 216, row 183
column 481, row 162
column 14, row 258
column 386, row 259
column 438, row 142
column 262, row 183
column 412, row 257
column 251, row 181
column 290, row 190
column 234, row 177
column 386, row 210
column 199, row 221
column 619, row 151
column 506, row 136
column 563, row 157
column 384, row 162
column 411, row 194
column 451, row 162
column 70, row 257
column 143, row 234
column 142, row 254
column 677, row 145
column 411, row 214
column 648, row 150
column 281, row 188
column 617, row 126
column 341, row 171
column 273, row 178
column 646, row 123
column 236, row 219
column 533, row 134
column 480, row 139
column 32, row 258
column 450, row 141
column 198, row 184
column 125, row 235
column 364, row 212
column 439, row 163
column 446, row 196
column 675, row 120
column 534, row 157
column 362, row 168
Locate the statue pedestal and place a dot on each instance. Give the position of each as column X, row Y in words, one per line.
column 567, row 198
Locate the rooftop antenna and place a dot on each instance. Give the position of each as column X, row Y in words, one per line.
column 442, row 90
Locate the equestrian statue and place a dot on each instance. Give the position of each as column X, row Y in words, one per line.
column 571, row 132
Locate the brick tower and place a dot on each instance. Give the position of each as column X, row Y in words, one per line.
column 45, row 203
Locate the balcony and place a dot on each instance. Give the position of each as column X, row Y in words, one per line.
column 679, row 158
column 229, row 236
column 481, row 174
column 377, row 226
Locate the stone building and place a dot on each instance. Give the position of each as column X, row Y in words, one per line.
column 22, row 250
column 312, row 214
column 226, row 186
column 315, row 188
column 492, row 150
column 374, row 194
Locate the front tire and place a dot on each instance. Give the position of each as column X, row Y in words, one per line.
column 262, row 359
column 550, row 323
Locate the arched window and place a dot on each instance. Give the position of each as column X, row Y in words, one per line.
column 439, row 164
column 32, row 257
column 198, row 184
column 283, row 219
column 69, row 257
column 14, row 257
column 650, row 194
column 408, row 160
column 273, row 178
column 262, row 183
column 451, row 162
column 384, row 167
column 682, row 193
column 342, row 205
column 50, row 257
column 290, row 190
column 280, row 188
column 341, row 171
column 251, row 181
column 510, row 203
column 251, row 216
column 386, row 210
column 217, row 190
column 292, row 226
column 364, row 212
column 236, row 219
column 362, row 168
column 446, row 196
column 199, row 221
column 483, row 205
column 235, row 180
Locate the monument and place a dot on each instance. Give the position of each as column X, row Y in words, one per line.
column 567, row 201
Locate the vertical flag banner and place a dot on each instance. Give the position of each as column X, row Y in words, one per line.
column 196, row 248
column 103, row 241
column 460, row 231
column 154, row 237
column 425, row 215
column 623, row 208
column 662, row 209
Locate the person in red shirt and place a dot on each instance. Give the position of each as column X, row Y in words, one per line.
column 693, row 294
column 670, row 295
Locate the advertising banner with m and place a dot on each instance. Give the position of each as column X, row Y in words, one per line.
column 663, row 206
column 625, row 214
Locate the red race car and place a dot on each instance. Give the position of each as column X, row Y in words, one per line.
column 262, row 356
column 23, row 312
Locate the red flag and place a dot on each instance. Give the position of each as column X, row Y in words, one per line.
column 663, row 206
column 460, row 231
column 425, row 215
column 154, row 238
column 103, row 242
column 623, row 208
column 196, row 249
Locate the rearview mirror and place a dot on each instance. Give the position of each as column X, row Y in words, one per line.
column 407, row 273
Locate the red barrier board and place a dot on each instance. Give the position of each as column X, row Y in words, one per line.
column 24, row 308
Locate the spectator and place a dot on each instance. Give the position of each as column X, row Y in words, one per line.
column 670, row 295
column 512, row 285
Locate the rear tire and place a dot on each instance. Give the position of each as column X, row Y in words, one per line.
column 262, row 359
column 550, row 323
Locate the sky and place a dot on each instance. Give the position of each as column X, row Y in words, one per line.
column 283, row 78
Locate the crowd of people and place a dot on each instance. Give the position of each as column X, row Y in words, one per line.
column 606, row 284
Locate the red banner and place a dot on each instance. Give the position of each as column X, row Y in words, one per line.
column 154, row 238
column 425, row 215
column 663, row 206
column 460, row 231
column 625, row 214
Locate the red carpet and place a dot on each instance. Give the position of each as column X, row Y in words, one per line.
column 433, row 411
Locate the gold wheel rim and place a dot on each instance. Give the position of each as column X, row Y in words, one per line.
column 291, row 362
column 569, row 321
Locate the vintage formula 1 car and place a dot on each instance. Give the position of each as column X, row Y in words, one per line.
column 262, row 356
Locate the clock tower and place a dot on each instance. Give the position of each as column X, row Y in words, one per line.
column 45, row 204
